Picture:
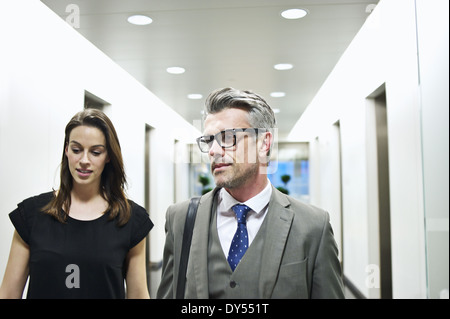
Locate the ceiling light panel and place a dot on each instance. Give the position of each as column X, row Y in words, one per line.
column 194, row 96
column 294, row 14
column 283, row 66
column 139, row 19
column 175, row 70
column 277, row 94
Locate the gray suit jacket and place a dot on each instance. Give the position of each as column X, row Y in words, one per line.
column 300, row 255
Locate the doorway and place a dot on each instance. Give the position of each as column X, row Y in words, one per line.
column 379, row 270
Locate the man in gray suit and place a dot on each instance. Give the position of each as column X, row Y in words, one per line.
column 249, row 239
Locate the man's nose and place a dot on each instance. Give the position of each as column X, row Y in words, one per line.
column 216, row 150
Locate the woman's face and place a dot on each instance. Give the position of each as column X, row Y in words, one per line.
column 87, row 155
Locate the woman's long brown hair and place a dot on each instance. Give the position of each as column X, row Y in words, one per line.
column 113, row 178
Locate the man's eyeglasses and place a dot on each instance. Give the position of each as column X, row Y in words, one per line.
column 225, row 139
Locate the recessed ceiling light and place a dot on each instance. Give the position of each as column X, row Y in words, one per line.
column 175, row 70
column 277, row 94
column 194, row 96
column 139, row 19
column 276, row 111
column 294, row 13
column 283, row 66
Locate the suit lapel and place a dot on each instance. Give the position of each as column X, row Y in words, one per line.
column 199, row 249
column 279, row 220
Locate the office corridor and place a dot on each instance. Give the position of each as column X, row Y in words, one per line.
column 371, row 146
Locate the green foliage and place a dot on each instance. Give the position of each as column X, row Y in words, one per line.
column 203, row 179
column 285, row 178
column 283, row 190
column 206, row 190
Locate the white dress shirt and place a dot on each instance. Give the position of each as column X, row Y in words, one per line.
column 226, row 218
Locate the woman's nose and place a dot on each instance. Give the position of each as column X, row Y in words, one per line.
column 85, row 158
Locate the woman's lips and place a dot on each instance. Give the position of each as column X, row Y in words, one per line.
column 84, row 172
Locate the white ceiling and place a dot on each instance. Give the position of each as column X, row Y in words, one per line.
column 223, row 43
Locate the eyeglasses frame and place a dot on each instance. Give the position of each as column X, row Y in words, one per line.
column 235, row 130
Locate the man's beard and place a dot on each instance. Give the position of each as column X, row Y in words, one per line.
column 236, row 177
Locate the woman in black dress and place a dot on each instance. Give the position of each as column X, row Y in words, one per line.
column 87, row 239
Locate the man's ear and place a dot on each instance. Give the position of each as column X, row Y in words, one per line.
column 265, row 146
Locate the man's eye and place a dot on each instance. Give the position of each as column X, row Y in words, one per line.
column 227, row 137
column 208, row 139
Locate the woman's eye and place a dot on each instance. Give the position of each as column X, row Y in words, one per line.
column 75, row 150
column 96, row 153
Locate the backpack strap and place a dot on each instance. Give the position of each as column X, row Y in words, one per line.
column 186, row 245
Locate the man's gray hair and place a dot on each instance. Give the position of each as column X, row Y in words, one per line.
column 260, row 113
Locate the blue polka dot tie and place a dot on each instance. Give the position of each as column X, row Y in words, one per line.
column 239, row 244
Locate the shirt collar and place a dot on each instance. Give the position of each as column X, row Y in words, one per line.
column 257, row 203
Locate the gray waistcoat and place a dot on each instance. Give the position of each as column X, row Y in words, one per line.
column 243, row 282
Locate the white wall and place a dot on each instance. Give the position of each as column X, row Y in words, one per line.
column 433, row 29
column 325, row 189
column 385, row 51
column 45, row 68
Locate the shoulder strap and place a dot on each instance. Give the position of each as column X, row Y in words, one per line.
column 186, row 245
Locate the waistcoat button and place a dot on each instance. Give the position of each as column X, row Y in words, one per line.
column 232, row 284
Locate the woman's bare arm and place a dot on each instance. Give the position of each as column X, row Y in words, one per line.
column 16, row 273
